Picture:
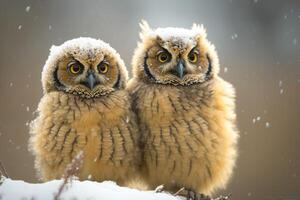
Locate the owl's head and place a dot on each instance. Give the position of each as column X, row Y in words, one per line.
column 174, row 56
column 85, row 67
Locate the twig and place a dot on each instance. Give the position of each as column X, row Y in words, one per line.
column 159, row 189
column 178, row 192
column 70, row 171
column 3, row 171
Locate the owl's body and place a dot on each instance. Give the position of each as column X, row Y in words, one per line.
column 186, row 117
column 98, row 122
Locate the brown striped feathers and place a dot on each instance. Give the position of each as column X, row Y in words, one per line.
column 185, row 110
column 85, row 109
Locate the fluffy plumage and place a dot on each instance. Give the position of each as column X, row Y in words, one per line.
column 185, row 110
column 85, row 108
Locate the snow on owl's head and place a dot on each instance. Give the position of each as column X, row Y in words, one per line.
column 175, row 56
column 84, row 67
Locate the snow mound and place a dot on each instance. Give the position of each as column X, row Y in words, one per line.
column 76, row 190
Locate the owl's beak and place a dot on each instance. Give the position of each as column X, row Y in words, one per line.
column 90, row 81
column 179, row 70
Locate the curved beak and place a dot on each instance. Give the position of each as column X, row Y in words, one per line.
column 90, row 81
column 179, row 69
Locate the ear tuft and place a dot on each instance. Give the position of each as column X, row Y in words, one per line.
column 199, row 30
column 145, row 29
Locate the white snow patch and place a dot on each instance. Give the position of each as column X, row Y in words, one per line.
column 106, row 190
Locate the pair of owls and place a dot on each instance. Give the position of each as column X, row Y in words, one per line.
column 173, row 123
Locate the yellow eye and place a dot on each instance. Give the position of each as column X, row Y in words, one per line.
column 75, row 68
column 193, row 57
column 103, row 68
column 163, row 57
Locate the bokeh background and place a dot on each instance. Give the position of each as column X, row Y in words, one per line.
column 258, row 42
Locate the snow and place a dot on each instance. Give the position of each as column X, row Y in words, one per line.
column 27, row 9
column 19, row 27
column 107, row 190
column 225, row 69
column 281, row 91
column 267, row 124
column 234, row 36
column 186, row 35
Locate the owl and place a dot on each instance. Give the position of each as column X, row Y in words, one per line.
column 85, row 108
column 186, row 112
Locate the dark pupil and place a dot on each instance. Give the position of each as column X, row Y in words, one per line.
column 76, row 68
column 192, row 57
column 164, row 57
column 102, row 68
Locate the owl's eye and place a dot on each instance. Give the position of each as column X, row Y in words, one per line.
column 193, row 57
column 163, row 57
column 103, row 67
column 75, row 67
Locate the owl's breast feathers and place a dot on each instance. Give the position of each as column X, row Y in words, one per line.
column 189, row 132
column 104, row 129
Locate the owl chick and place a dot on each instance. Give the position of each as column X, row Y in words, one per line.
column 185, row 110
column 85, row 108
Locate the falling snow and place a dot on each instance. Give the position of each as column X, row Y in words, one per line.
column 234, row 36
column 253, row 120
column 11, row 84
column 267, row 124
column 50, row 27
column 258, row 118
column 89, row 177
column 27, row 9
column 295, row 41
column 225, row 69
column 19, row 27
column 280, row 83
column 255, row 1
column 281, row 91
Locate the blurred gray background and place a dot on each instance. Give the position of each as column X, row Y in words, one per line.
column 258, row 42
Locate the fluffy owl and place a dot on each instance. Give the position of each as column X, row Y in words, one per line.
column 85, row 108
column 186, row 112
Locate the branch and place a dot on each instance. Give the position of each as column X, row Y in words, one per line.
column 70, row 171
column 3, row 171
